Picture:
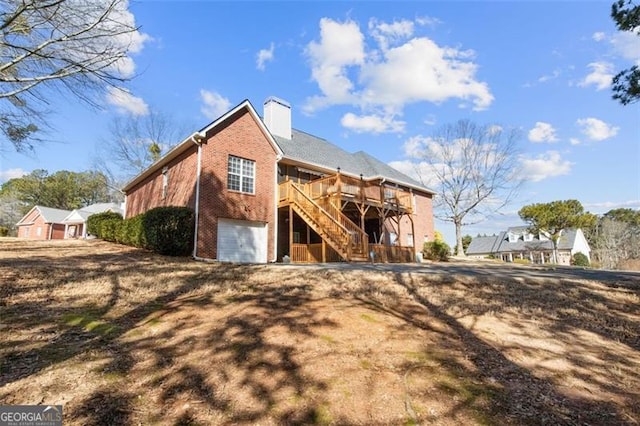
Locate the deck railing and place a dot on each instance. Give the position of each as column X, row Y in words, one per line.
column 312, row 253
column 392, row 254
column 353, row 189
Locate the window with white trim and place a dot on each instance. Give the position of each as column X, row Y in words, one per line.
column 241, row 174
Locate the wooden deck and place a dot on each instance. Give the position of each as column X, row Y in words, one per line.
column 336, row 207
column 347, row 189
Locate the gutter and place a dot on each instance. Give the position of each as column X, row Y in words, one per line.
column 197, row 138
column 276, row 197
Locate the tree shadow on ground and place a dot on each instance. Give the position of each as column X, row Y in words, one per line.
column 120, row 337
column 493, row 384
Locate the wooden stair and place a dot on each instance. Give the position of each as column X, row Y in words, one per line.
column 337, row 230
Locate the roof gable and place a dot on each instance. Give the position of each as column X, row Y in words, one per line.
column 49, row 215
column 198, row 137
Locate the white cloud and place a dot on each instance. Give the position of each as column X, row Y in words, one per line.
column 371, row 123
column 341, row 45
column 598, row 36
column 396, row 68
column 574, row 141
column 555, row 74
column 214, row 104
column 596, row 130
column 428, row 21
column 600, row 76
column 386, row 34
column 544, row 166
column 543, row 132
column 420, row 70
column 605, row 206
column 430, row 120
column 494, row 129
column 420, row 171
column 6, row 175
column 133, row 41
column 125, row 102
column 264, row 56
column 627, row 45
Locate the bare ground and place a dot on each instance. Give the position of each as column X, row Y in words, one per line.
column 122, row 336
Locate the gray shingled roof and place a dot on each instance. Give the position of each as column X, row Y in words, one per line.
column 87, row 211
column 500, row 243
column 102, row 207
column 313, row 150
column 52, row 215
column 482, row 245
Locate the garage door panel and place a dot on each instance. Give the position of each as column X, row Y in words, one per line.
column 242, row 241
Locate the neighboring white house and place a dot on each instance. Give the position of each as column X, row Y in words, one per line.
column 518, row 243
column 75, row 222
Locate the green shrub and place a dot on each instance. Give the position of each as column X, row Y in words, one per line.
column 169, row 230
column 436, row 250
column 110, row 229
column 522, row 261
column 580, row 259
column 132, row 232
column 4, row 231
column 94, row 222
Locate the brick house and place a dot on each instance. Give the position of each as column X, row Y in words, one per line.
column 262, row 191
column 46, row 223
column 42, row 223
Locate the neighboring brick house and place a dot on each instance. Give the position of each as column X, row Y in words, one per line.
column 42, row 223
column 262, row 191
column 46, row 223
column 518, row 243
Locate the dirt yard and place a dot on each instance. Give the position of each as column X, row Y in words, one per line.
column 120, row 336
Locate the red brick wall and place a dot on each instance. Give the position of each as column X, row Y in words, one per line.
column 240, row 136
column 422, row 223
column 181, row 190
column 37, row 221
column 423, row 219
column 243, row 138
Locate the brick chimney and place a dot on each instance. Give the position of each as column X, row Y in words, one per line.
column 277, row 117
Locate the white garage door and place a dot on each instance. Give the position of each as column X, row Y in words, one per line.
column 242, row 241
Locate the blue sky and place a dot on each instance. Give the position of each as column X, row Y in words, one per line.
column 381, row 77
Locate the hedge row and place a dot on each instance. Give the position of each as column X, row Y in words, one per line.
column 165, row 230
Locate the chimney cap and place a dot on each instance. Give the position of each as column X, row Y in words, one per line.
column 277, row 100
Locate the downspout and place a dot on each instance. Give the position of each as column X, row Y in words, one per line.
column 276, row 197
column 197, row 138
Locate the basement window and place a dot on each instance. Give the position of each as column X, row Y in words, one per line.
column 241, row 175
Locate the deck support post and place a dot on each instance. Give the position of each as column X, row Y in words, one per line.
column 291, row 233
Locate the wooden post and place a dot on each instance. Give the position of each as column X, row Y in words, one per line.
column 324, row 251
column 291, row 232
column 339, row 189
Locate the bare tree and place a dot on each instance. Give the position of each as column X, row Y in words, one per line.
column 473, row 172
column 134, row 143
column 53, row 47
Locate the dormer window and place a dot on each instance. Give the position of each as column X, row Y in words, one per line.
column 512, row 237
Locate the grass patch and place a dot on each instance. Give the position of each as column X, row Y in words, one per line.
column 89, row 323
column 328, row 339
column 369, row 318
